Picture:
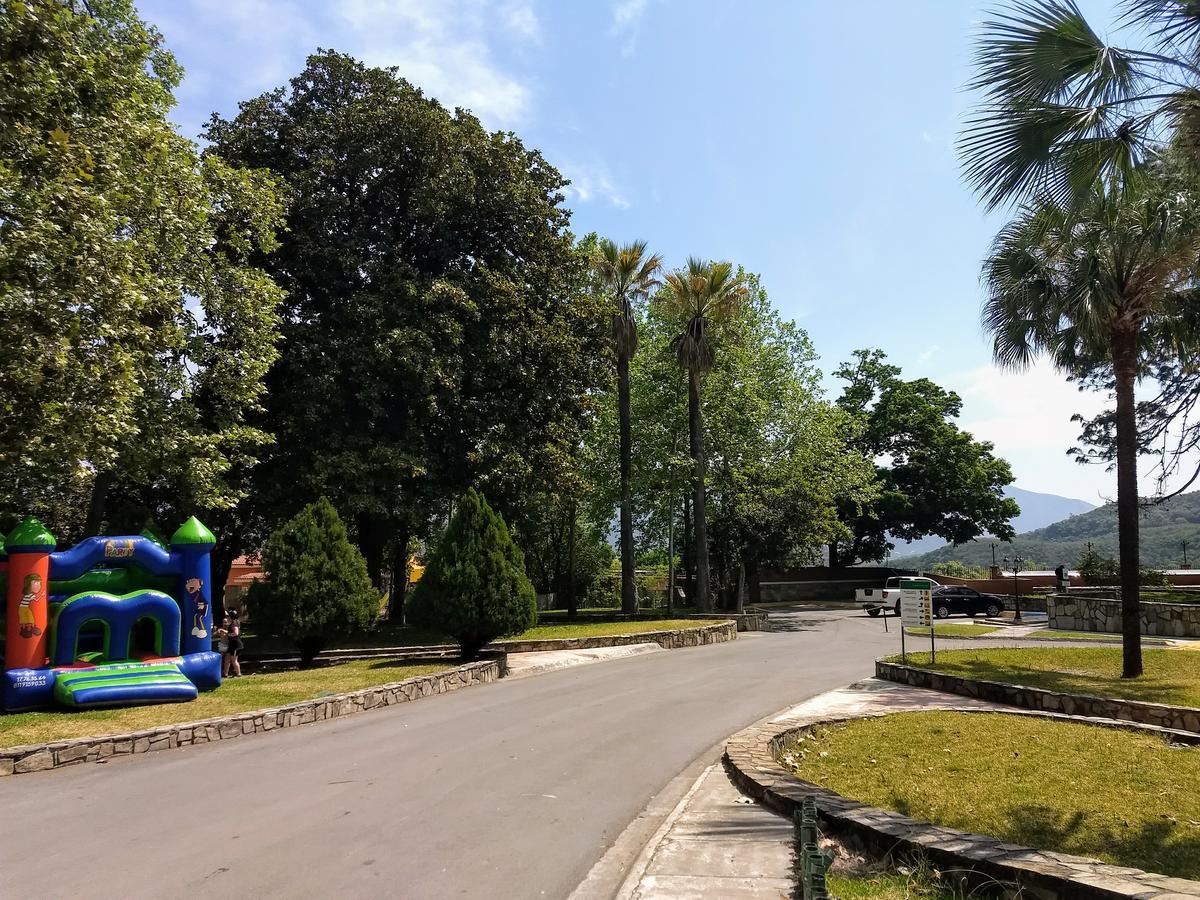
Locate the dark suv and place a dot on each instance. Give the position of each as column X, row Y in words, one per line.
column 950, row 601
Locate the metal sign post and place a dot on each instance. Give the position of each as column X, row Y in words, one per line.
column 916, row 611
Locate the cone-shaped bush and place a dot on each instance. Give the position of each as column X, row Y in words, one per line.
column 475, row 587
column 316, row 586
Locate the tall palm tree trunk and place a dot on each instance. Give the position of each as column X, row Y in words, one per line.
column 1124, row 352
column 628, row 589
column 699, row 524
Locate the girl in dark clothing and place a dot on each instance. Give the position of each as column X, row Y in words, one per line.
column 233, row 666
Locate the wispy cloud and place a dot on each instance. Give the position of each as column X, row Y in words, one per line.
column 522, row 21
column 627, row 19
column 592, row 181
column 446, row 47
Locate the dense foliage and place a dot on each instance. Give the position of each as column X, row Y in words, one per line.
column 316, row 586
column 475, row 587
column 933, row 478
column 439, row 331
column 135, row 323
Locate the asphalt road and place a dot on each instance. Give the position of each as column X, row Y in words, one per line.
column 510, row 790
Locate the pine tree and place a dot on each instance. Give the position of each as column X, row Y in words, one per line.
column 475, row 587
column 316, row 586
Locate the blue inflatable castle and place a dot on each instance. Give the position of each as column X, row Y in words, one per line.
column 113, row 621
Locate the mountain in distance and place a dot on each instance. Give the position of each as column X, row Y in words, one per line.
column 1037, row 511
column 1164, row 529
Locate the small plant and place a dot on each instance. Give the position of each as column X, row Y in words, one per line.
column 475, row 587
column 316, row 586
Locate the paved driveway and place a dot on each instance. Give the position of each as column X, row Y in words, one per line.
column 510, row 790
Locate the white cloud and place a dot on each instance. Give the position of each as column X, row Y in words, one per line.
column 441, row 46
column 521, row 20
column 592, row 181
column 627, row 18
column 627, row 13
column 445, row 47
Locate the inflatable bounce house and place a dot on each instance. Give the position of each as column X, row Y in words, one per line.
column 114, row 621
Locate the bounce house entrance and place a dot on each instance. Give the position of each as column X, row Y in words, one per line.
column 145, row 639
column 92, row 643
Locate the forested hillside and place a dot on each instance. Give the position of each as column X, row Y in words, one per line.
column 1165, row 527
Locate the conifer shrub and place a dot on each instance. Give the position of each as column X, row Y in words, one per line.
column 316, row 587
column 475, row 587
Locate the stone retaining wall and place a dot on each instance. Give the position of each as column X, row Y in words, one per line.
column 751, row 757
column 37, row 758
column 670, row 640
column 1180, row 718
column 1072, row 612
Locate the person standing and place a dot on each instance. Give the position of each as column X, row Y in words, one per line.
column 234, row 636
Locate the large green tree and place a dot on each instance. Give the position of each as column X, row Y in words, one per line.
column 1085, row 285
column 440, row 328
column 695, row 298
column 626, row 274
column 933, row 478
column 135, row 323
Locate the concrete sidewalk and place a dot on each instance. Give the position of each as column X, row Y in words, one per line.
column 720, row 845
column 539, row 661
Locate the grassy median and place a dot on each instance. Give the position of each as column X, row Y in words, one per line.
column 952, row 631
column 1120, row 796
column 1172, row 676
column 235, row 695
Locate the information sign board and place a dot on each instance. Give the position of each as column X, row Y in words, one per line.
column 916, row 603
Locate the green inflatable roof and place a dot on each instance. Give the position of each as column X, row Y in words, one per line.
column 192, row 532
column 30, row 533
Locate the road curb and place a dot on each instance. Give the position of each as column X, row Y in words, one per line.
column 1162, row 715
column 58, row 754
column 751, row 760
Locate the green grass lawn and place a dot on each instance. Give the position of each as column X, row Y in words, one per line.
column 235, row 695
column 1054, row 634
column 604, row 629
column 388, row 635
column 953, row 630
column 890, row 886
column 1123, row 797
column 1172, row 676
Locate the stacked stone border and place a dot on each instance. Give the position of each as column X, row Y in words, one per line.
column 1179, row 718
column 1075, row 611
column 40, row 757
column 674, row 639
column 751, row 758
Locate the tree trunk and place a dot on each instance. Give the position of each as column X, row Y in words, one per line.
column 371, row 541
column 754, row 579
column 399, row 575
column 95, row 516
column 833, row 554
column 670, row 604
column 628, row 587
column 699, row 525
column 689, row 569
column 1124, row 351
column 572, row 589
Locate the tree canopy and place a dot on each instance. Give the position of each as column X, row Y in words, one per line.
column 439, row 331
column 135, row 321
column 933, row 478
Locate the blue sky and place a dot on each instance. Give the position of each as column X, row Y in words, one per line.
column 810, row 141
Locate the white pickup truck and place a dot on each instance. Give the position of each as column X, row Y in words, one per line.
column 874, row 600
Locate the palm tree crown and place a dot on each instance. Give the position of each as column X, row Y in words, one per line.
column 1061, row 108
column 697, row 295
column 627, row 274
column 1064, row 282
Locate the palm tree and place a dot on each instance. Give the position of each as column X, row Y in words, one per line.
column 1061, row 108
column 697, row 296
column 1088, row 285
column 627, row 274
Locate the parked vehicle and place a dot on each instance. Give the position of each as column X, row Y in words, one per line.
column 954, row 600
column 875, row 600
